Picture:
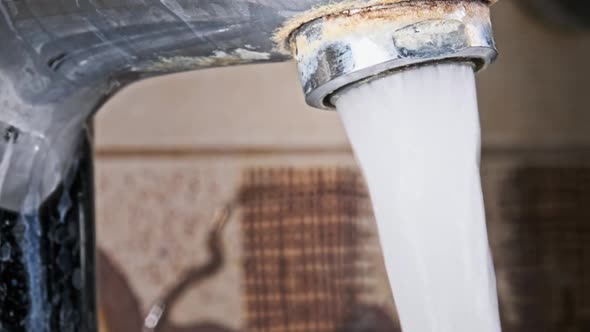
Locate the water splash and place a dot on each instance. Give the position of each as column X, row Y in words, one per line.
column 416, row 135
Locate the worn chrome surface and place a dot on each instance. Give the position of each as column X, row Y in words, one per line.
column 335, row 51
column 60, row 60
column 47, row 257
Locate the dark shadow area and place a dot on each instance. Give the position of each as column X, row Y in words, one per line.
column 47, row 264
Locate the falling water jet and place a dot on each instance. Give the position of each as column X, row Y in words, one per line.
column 416, row 135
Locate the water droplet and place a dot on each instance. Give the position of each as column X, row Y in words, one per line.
column 5, row 252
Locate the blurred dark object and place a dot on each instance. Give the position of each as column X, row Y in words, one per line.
column 563, row 13
column 158, row 318
column 540, row 236
column 306, row 259
column 370, row 319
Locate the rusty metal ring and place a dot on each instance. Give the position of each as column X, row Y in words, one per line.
column 335, row 51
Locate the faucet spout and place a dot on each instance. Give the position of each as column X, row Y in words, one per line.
column 337, row 50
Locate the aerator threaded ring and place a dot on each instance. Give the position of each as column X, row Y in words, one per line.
column 335, row 51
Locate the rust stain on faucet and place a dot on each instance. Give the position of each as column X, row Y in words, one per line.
column 239, row 56
column 360, row 9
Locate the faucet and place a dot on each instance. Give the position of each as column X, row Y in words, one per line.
column 60, row 61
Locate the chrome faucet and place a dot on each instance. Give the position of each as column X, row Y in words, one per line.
column 61, row 60
column 59, row 63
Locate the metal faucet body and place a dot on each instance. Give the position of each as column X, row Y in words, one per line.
column 59, row 61
column 53, row 53
column 72, row 55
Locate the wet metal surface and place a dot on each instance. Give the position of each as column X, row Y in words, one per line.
column 47, row 260
column 59, row 62
column 339, row 50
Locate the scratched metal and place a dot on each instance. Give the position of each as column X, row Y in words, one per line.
column 59, row 61
column 538, row 213
column 307, row 265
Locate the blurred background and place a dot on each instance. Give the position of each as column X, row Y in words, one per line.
column 300, row 252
